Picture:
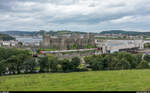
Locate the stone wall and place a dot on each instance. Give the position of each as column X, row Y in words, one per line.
column 62, row 42
column 74, row 54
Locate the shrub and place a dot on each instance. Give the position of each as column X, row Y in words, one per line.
column 143, row 65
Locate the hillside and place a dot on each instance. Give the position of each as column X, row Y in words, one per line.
column 123, row 80
column 18, row 33
column 41, row 32
column 6, row 37
column 62, row 32
column 125, row 32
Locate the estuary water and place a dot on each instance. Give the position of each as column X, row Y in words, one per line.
column 28, row 39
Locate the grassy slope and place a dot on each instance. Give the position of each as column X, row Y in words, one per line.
column 129, row 80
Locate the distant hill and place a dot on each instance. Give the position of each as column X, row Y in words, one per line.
column 18, row 33
column 62, row 32
column 125, row 32
column 6, row 37
column 41, row 32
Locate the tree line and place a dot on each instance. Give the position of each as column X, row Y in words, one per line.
column 118, row 61
column 17, row 61
column 147, row 45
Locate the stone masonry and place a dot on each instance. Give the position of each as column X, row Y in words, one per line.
column 64, row 42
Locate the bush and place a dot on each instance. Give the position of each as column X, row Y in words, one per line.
column 43, row 64
column 66, row 65
column 75, row 62
column 147, row 58
column 143, row 65
column 123, row 64
column 82, row 67
column 2, row 67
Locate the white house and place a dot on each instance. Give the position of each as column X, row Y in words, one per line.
column 36, row 43
column 14, row 43
column 6, row 43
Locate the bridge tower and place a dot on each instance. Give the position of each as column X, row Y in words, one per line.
column 101, row 45
column 142, row 44
column 104, row 49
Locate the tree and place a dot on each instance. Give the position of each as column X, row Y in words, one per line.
column 75, row 63
column 20, row 60
column 13, row 59
column 2, row 67
column 75, row 46
column 123, row 64
column 68, row 47
column 52, row 64
column 147, row 58
column 29, row 65
column 107, row 60
column 143, row 65
column 89, row 59
column 20, row 44
column 127, row 59
column 12, row 64
column 98, row 63
column 138, row 58
column 66, row 65
column 130, row 60
column 147, row 45
column 43, row 63
column 112, row 64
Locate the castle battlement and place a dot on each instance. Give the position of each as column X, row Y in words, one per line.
column 68, row 42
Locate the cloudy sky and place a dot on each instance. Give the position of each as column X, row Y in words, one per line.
column 76, row 15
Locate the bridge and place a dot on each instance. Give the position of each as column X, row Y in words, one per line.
column 105, row 46
column 117, row 45
column 69, row 54
column 67, row 51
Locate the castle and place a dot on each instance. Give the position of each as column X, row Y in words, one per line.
column 74, row 41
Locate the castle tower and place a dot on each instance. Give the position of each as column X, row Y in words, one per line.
column 91, row 39
column 62, row 40
column 46, row 41
column 86, row 36
column 75, row 36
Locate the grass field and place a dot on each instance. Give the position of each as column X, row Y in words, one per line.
column 127, row 80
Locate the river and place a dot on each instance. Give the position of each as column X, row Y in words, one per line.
column 28, row 39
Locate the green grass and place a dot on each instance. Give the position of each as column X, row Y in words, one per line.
column 124, row 80
column 48, row 49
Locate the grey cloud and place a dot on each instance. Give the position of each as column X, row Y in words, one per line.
column 85, row 15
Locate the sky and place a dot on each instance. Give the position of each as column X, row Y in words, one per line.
column 75, row 15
